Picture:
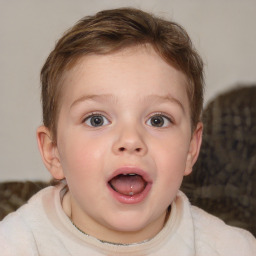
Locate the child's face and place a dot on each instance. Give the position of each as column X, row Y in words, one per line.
column 124, row 113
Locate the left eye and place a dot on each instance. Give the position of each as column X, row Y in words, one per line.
column 96, row 120
column 158, row 121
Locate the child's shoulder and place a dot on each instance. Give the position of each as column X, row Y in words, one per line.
column 31, row 207
column 212, row 232
column 16, row 229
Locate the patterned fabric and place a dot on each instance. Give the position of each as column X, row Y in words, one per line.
column 15, row 194
column 223, row 181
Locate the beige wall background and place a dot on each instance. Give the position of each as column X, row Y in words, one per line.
column 224, row 32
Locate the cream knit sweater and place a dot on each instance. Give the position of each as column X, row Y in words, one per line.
column 42, row 228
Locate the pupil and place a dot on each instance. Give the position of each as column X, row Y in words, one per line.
column 97, row 121
column 157, row 121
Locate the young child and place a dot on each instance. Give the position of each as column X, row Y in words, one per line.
column 122, row 95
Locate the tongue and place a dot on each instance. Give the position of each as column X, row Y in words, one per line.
column 128, row 184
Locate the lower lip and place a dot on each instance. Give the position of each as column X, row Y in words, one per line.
column 135, row 199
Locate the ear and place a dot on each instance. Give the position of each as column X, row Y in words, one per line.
column 49, row 152
column 194, row 148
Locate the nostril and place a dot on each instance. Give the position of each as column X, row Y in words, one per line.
column 123, row 149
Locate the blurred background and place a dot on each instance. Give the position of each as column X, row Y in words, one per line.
column 223, row 32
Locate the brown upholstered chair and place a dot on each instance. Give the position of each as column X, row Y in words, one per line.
column 223, row 181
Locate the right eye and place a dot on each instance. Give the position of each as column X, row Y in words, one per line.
column 96, row 120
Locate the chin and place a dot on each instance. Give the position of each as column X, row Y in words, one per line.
column 128, row 223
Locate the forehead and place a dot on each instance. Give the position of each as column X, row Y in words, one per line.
column 137, row 69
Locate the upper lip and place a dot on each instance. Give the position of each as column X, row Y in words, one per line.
column 131, row 170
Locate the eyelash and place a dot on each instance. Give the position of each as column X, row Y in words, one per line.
column 95, row 114
column 158, row 114
column 162, row 115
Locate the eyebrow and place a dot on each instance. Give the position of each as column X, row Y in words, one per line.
column 94, row 97
column 111, row 97
column 165, row 98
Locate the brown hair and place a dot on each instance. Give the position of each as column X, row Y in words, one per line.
column 109, row 31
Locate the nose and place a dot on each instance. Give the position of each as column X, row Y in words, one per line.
column 131, row 141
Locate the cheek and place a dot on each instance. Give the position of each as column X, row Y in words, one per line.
column 171, row 165
column 171, row 156
column 81, row 155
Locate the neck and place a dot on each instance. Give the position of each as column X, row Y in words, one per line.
column 88, row 226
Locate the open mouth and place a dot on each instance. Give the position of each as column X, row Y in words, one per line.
column 129, row 184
